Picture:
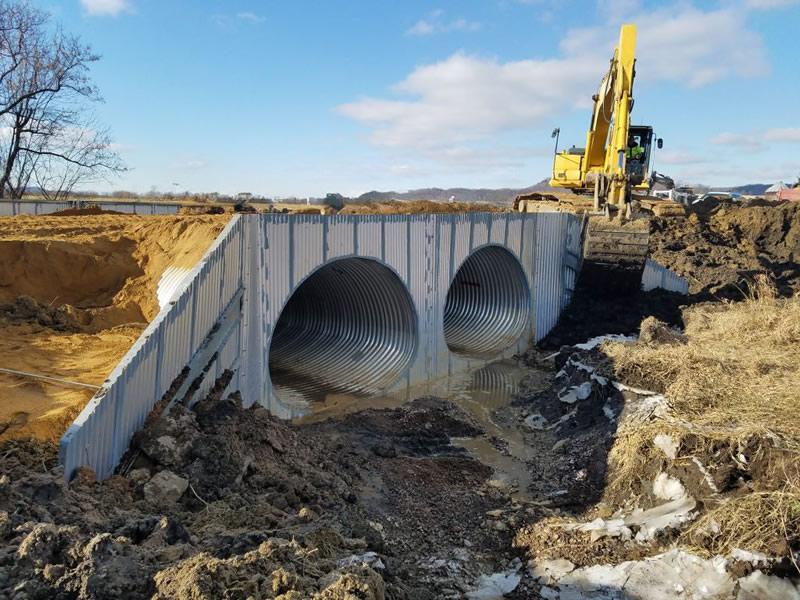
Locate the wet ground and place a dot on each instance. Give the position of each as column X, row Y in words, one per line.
column 480, row 393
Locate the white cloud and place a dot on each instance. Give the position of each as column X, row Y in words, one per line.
column 682, row 44
column 757, row 140
column 436, row 24
column 98, row 8
column 770, row 4
column 421, row 27
column 678, row 157
column 739, row 140
column 250, row 17
column 791, row 134
column 466, row 97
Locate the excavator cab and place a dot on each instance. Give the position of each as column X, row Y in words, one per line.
column 640, row 139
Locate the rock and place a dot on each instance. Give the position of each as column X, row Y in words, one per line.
column 165, row 486
column 139, row 477
column 306, row 514
column 385, row 450
column 560, row 445
column 500, row 526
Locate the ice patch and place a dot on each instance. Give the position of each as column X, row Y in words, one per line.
column 612, row 337
column 580, row 392
column 648, row 522
column 548, row 571
column 496, row 586
column 535, row 421
column 674, row 574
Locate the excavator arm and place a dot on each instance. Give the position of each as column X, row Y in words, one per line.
column 607, row 139
column 603, row 164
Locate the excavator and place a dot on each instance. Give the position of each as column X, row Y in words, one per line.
column 614, row 167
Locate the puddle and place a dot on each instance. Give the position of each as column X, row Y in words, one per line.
column 480, row 392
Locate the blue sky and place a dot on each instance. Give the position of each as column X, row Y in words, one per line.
column 304, row 98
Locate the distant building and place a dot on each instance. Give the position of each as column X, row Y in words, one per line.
column 775, row 189
column 244, row 196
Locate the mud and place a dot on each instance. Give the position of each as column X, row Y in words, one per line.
column 76, row 291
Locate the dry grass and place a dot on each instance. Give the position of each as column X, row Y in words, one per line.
column 733, row 382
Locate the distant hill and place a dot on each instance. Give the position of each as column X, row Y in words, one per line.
column 499, row 196
column 751, row 189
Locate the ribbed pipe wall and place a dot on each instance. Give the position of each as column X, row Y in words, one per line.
column 350, row 326
column 488, row 303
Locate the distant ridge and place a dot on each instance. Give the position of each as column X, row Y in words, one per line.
column 499, row 196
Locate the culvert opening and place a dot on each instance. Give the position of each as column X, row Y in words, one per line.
column 487, row 304
column 349, row 327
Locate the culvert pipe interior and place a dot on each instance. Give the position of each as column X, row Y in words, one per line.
column 488, row 304
column 349, row 327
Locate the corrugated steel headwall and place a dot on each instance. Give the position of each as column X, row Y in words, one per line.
column 263, row 259
column 425, row 252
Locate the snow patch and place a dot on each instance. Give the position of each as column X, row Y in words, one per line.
column 754, row 558
column 667, row 444
column 706, row 475
column 612, row 337
column 668, row 488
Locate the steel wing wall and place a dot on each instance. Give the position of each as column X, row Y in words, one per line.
column 100, row 435
column 656, row 276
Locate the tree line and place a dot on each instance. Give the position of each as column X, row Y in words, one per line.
column 49, row 135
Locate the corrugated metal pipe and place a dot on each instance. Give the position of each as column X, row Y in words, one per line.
column 487, row 304
column 350, row 327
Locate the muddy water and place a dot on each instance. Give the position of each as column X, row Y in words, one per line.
column 480, row 393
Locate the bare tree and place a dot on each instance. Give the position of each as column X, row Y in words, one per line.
column 48, row 133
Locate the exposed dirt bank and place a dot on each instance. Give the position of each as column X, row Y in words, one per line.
column 721, row 247
column 75, row 293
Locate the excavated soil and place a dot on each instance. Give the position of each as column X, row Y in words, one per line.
column 722, row 246
column 75, row 293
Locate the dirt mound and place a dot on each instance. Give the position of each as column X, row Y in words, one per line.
column 224, row 502
column 75, row 293
column 415, row 207
column 724, row 245
column 92, row 209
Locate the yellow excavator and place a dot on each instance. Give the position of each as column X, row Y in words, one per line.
column 614, row 167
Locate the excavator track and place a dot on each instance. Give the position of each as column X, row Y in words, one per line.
column 614, row 256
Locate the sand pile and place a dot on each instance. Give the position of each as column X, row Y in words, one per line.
column 75, row 293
